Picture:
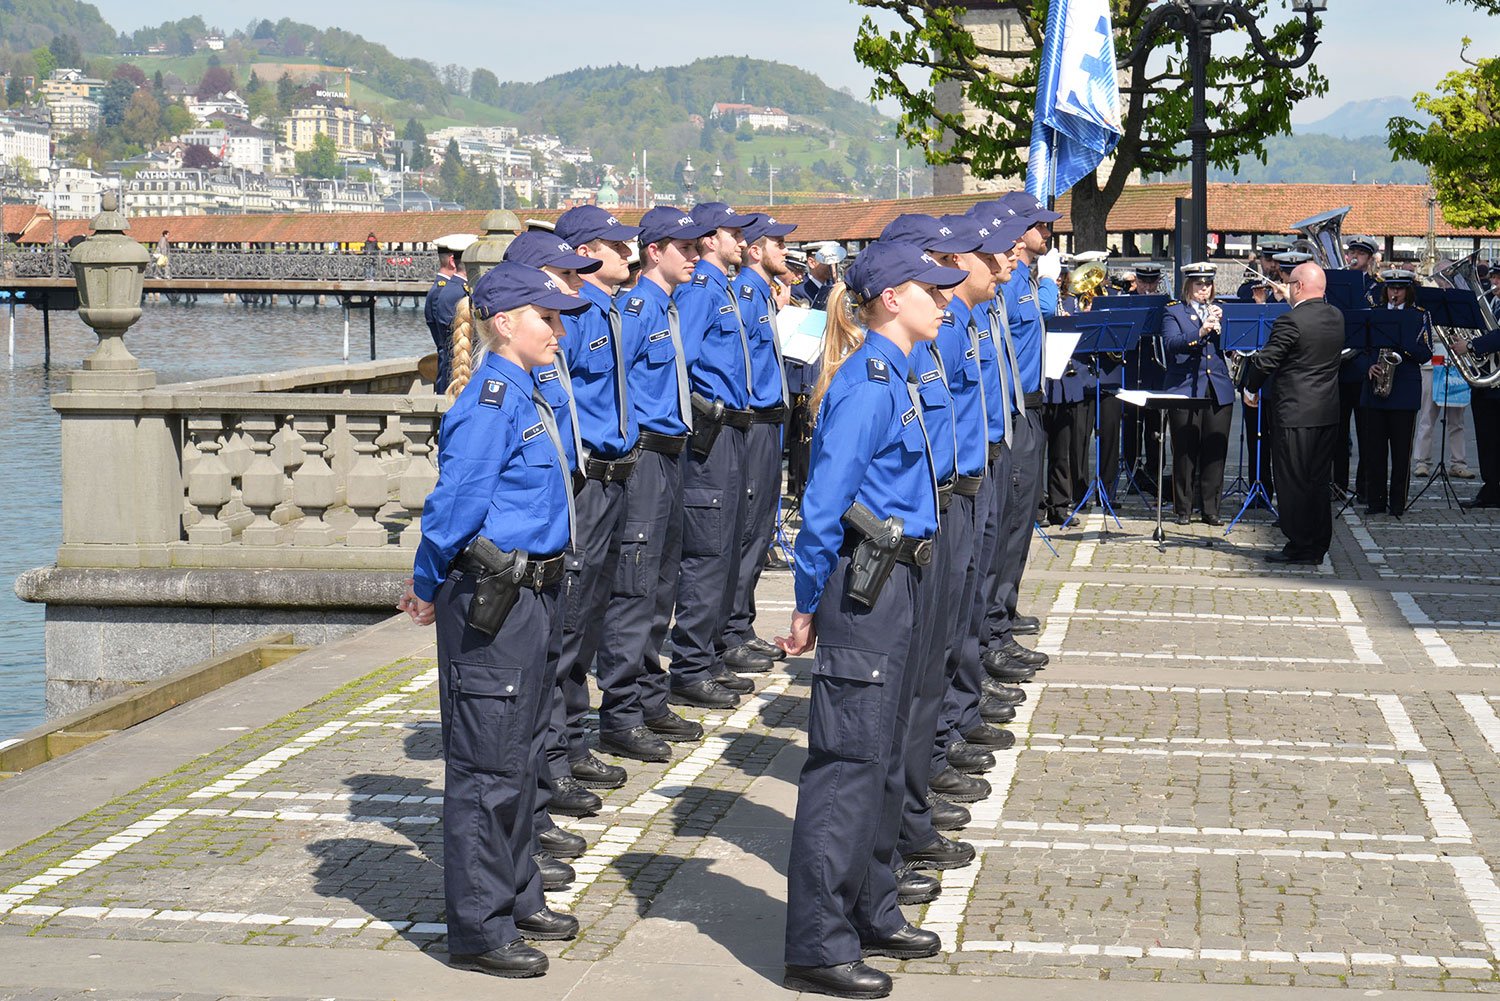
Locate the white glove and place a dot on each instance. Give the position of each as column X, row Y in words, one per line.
column 1049, row 265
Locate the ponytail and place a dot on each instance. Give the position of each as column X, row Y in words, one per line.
column 462, row 359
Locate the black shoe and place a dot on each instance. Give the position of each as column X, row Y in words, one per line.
column 591, row 773
column 851, row 980
column 746, row 660
column 1002, row 667
column 639, row 742
column 775, row 562
column 1062, row 521
column 1031, row 658
column 548, row 926
column 766, row 649
column 1025, row 625
column 1213, row 519
column 992, row 710
column 516, row 960
column 555, row 875
column 955, row 785
column 1183, row 519
column 914, row 887
column 910, row 942
column 967, row 757
column 947, row 816
column 1479, row 501
column 735, row 683
column 941, row 854
column 1292, row 560
column 990, row 737
column 1372, row 509
column 1001, row 693
column 561, row 844
column 670, row 726
column 571, row 799
column 704, row 695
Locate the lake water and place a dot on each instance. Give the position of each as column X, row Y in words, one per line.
column 179, row 342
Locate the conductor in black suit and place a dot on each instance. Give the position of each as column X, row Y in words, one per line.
column 1303, row 353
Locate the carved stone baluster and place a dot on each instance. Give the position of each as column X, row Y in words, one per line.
column 367, row 488
column 236, row 455
column 210, row 483
column 263, row 485
column 314, row 488
column 390, row 446
column 420, row 475
column 287, row 455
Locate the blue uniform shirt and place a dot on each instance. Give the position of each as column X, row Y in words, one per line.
column 1195, row 367
column 962, row 363
column 753, row 296
column 711, row 337
column 500, row 476
column 442, row 302
column 651, row 358
column 591, row 362
column 549, row 382
column 937, row 409
column 868, row 447
column 994, row 366
column 1026, row 309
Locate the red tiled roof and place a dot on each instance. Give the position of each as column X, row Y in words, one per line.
column 15, row 220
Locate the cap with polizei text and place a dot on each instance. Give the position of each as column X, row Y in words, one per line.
column 766, row 225
column 720, row 215
column 509, row 285
column 891, row 264
column 666, row 222
column 587, row 223
column 930, row 234
column 541, row 249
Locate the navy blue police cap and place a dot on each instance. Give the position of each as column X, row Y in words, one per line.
column 890, row 264
column 666, row 222
column 766, row 225
column 988, row 241
column 510, row 285
column 1000, row 219
column 541, row 249
column 720, row 215
column 928, row 233
column 1026, row 205
column 589, row 222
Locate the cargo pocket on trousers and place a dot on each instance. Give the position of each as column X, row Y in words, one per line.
column 847, row 691
column 633, row 576
column 573, row 588
column 702, row 522
column 483, row 737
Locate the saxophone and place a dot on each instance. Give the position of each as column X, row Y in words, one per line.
column 1385, row 373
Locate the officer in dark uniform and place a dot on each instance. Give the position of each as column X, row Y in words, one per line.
column 442, row 300
column 872, row 477
column 1067, row 419
column 1360, row 253
column 1191, row 332
column 1148, row 366
column 1486, row 404
column 1390, row 420
column 1268, row 267
column 822, row 269
column 502, row 497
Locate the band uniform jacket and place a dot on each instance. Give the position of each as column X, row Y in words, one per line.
column 1406, row 382
column 1303, row 353
column 1195, row 366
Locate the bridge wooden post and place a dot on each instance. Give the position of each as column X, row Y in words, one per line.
column 372, row 327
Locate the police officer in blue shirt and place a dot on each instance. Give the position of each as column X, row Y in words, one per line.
column 717, row 348
column 871, row 482
column 770, row 402
column 442, row 299
column 488, row 571
column 1390, row 420
column 635, row 721
column 1191, row 333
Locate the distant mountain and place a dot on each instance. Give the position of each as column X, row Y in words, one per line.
column 1359, row 119
column 26, row 24
column 1320, row 159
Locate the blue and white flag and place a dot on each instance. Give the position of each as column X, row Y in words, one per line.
column 1077, row 98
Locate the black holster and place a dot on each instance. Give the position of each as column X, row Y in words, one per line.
column 874, row 554
column 498, row 586
column 708, row 421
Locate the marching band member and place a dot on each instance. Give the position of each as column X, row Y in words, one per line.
column 1486, row 404
column 1360, row 256
column 1390, row 400
column 1191, row 333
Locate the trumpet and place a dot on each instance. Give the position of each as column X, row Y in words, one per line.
column 1260, row 279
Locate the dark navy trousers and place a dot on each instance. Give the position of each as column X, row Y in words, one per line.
column 1027, row 457
column 645, row 576
column 762, row 499
column 494, row 695
column 600, row 518
column 840, row 885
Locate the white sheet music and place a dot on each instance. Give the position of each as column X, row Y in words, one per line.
column 1060, row 345
column 1143, row 397
column 799, row 330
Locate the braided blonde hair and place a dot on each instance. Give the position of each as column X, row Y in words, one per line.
column 843, row 335
column 466, row 356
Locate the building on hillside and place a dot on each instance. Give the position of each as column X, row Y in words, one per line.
column 214, row 43
column 72, row 114
column 76, row 193
column 350, row 130
column 756, row 116
column 238, row 144
column 24, row 138
column 72, row 83
column 223, row 106
column 239, row 192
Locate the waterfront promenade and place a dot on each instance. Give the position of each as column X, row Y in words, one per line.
column 1235, row 781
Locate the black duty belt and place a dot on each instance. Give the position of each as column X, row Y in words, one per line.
column 612, row 470
column 968, row 486
column 912, row 552
column 768, row 415
column 996, row 447
column 737, row 418
column 945, row 493
column 538, row 574
column 666, row 444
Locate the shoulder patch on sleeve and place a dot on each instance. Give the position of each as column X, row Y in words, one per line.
column 492, row 394
column 442, row 283
column 746, row 292
column 877, row 370
column 700, row 280
column 633, row 307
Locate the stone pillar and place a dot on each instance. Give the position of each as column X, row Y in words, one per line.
column 992, row 29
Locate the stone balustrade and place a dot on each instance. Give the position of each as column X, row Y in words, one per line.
column 243, row 265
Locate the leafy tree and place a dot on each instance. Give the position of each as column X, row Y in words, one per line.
column 320, row 161
column 417, row 136
column 15, row 91
column 1461, row 148
column 142, row 122
column 286, row 90
column 115, row 100
column 1248, row 100
column 216, row 80
column 45, row 61
column 175, row 119
column 451, row 173
column 253, row 85
column 199, row 157
column 66, row 50
column 130, row 72
column 484, row 87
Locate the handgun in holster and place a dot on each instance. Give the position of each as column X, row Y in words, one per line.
column 708, row 421
column 874, row 554
column 498, row 586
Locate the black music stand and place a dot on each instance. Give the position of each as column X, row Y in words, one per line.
column 1111, row 331
column 1458, row 309
column 1348, row 290
column 1247, row 327
column 1162, row 402
column 1156, row 307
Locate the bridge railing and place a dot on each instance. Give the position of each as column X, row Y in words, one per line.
column 247, row 265
column 314, row 469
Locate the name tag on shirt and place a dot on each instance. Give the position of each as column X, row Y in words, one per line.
column 930, row 376
column 532, row 432
column 658, row 336
column 971, row 353
column 764, row 319
column 1026, row 298
column 596, row 345
column 909, row 416
column 547, row 376
column 984, row 335
column 726, row 309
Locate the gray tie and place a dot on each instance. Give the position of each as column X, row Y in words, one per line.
column 567, row 381
column 1041, row 321
column 744, row 347
column 916, row 402
column 786, row 396
column 684, row 400
column 984, row 406
column 544, row 411
column 937, row 359
column 1001, row 319
column 622, row 395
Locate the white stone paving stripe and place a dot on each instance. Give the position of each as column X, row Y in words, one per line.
column 1202, row 690
column 1478, row 884
column 1441, row 810
column 1198, row 658
column 1056, row 629
column 1215, row 832
column 232, row 917
column 1345, row 606
column 1256, row 587
column 87, row 859
column 1325, row 569
column 1364, row 539
column 1083, row 556
column 1351, row 960
column 1161, row 752
column 1438, row 651
column 1394, row 710
column 1213, row 742
column 1136, row 848
column 1483, row 714
column 1155, row 616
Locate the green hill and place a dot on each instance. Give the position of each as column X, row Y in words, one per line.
column 1319, row 159
column 26, row 24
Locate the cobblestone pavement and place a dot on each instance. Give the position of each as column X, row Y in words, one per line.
column 1231, row 774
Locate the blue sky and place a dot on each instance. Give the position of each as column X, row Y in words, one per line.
column 1371, row 48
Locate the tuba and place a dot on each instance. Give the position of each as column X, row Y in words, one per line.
column 1323, row 237
column 1087, row 281
column 1479, row 371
